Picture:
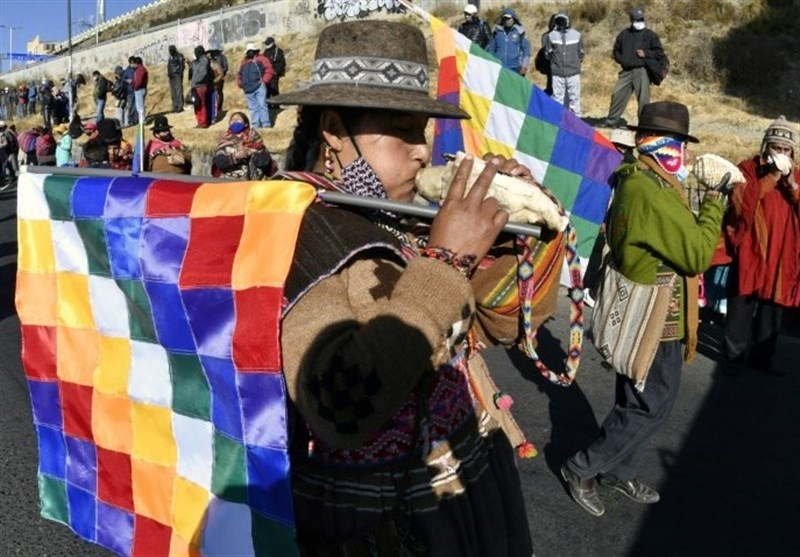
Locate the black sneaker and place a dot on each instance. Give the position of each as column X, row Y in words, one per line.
column 633, row 489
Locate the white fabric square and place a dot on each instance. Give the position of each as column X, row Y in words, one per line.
column 109, row 308
column 227, row 529
column 149, row 380
column 68, row 246
column 504, row 124
column 31, row 202
column 480, row 76
column 195, row 453
column 537, row 167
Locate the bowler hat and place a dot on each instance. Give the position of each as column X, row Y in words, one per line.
column 160, row 124
column 371, row 64
column 665, row 116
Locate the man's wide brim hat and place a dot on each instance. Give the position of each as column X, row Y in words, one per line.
column 371, row 64
column 665, row 117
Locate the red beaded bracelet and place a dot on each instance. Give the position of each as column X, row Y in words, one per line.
column 465, row 264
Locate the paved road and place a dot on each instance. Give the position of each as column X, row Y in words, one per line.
column 726, row 464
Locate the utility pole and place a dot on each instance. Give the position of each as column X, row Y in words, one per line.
column 69, row 54
column 10, row 43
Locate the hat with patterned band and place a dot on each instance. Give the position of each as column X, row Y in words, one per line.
column 371, row 64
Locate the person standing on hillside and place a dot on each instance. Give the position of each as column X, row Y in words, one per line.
column 254, row 73
column 219, row 69
column 200, row 79
column 119, row 90
column 276, row 57
column 473, row 27
column 130, row 99
column 140, row 78
column 176, row 66
column 631, row 47
column 509, row 43
column 765, row 237
column 563, row 47
column 101, row 87
column 31, row 99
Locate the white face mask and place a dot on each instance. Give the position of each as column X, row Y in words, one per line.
column 638, row 25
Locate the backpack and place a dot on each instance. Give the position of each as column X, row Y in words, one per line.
column 657, row 68
column 541, row 62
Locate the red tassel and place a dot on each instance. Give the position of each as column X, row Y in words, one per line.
column 503, row 401
column 527, row 450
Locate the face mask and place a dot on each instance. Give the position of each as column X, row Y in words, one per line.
column 166, row 137
column 237, row 127
column 638, row 25
column 508, row 23
column 682, row 173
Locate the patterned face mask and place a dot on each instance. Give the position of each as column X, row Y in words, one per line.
column 668, row 151
column 359, row 178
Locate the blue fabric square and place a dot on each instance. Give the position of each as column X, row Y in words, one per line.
column 224, row 396
column 603, row 161
column 124, row 238
column 163, row 247
column 46, row 402
column 126, row 197
column 268, row 489
column 52, row 452
column 571, row 152
column 448, row 136
column 89, row 196
column 81, row 464
column 543, row 107
column 114, row 528
column 263, row 397
column 169, row 317
column 213, row 335
column 82, row 512
column 592, row 201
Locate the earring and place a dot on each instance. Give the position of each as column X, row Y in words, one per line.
column 328, row 162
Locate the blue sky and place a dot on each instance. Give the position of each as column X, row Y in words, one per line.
column 48, row 18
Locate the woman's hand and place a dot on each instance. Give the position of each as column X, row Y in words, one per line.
column 469, row 224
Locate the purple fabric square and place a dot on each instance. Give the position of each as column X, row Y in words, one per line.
column 224, row 396
column 52, row 451
column 114, row 528
column 211, row 316
column 46, row 402
column 574, row 125
column 172, row 325
column 571, row 152
column 124, row 237
column 592, row 201
column 163, row 247
column 263, row 397
column 82, row 512
column 89, row 196
column 602, row 163
column 269, row 490
column 126, row 197
column 81, row 464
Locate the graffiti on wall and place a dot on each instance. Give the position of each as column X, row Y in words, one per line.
column 237, row 27
column 156, row 52
column 192, row 34
column 354, row 9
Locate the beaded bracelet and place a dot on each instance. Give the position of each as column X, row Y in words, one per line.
column 464, row 264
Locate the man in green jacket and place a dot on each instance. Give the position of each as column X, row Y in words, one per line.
column 651, row 233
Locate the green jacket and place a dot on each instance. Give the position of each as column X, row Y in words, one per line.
column 650, row 228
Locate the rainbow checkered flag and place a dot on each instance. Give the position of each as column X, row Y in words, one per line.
column 512, row 117
column 150, row 314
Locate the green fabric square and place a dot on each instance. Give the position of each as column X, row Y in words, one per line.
column 140, row 315
column 93, row 234
column 475, row 50
column 587, row 234
column 564, row 184
column 271, row 538
column 58, row 192
column 53, row 498
column 537, row 138
column 229, row 476
column 513, row 91
column 190, row 393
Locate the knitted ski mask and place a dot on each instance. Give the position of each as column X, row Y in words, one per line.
column 668, row 151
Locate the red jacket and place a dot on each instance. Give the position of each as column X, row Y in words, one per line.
column 269, row 71
column 140, row 77
column 765, row 235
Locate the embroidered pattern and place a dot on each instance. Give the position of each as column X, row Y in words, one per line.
column 381, row 72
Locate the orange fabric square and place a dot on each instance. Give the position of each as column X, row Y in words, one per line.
column 74, row 303
column 265, row 250
column 189, row 506
column 153, row 439
column 111, row 374
column 111, row 422
column 36, row 298
column 35, row 246
column 152, row 490
column 77, row 354
column 178, row 547
column 220, row 200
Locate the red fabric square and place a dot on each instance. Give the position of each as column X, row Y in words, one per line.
column 39, row 351
column 448, row 77
column 150, row 537
column 76, row 403
column 212, row 247
column 256, row 337
column 114, row 478
column 170, row 198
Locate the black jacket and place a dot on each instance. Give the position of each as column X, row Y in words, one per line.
column 476, row 30
column 278, row 60
column 176, row 65
column 629, row 41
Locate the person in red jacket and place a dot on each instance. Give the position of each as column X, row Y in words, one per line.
column 255, row 73
column 765, row 239
column 140, row 87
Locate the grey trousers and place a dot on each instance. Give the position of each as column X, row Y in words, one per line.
column 635, row 418
column 568, row 87
column 629, row 81
column 176, row 91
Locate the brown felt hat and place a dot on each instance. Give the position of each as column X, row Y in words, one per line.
column 371, row 64
column 665, row 116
